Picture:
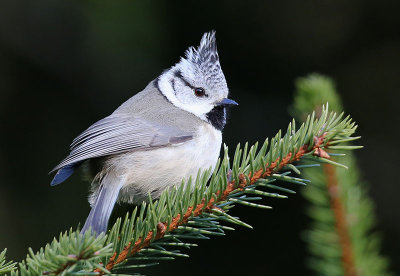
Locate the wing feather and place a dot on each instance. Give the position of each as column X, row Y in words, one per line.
column 119, row 133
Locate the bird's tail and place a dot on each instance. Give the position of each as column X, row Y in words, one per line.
column 102, row 208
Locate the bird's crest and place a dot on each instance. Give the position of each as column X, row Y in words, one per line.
column 203, row 62
column 206, row 53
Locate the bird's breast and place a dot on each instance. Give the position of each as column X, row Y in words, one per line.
column 155, row 170
column 207, row 145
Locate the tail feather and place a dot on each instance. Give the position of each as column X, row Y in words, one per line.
column 63, row 173
column 101, row 211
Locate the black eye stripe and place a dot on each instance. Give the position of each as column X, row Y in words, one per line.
column 199, row 91
column 178, row 74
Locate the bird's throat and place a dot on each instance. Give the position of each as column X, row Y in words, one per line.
column 217, row 117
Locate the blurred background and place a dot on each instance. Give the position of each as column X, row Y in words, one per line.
column 66, row 64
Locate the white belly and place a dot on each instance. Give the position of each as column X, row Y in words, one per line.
column 152, row 171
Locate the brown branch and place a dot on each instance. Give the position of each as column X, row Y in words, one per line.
column 340, row 220
column 162, row 227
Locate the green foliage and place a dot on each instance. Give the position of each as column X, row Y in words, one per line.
column 323, row 238
column 71, row 254
column 195, row 210
column 5, row 266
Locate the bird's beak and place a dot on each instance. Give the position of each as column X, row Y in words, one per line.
column 226, row 102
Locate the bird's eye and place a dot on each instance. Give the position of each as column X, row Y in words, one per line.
column 199, row 92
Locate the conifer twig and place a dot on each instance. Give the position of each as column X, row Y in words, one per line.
column 130, row 250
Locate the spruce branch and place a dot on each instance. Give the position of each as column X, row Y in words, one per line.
column 211, row 206
column 72, row 254
column 340, row 238
column 229, row 186
column 199, row 208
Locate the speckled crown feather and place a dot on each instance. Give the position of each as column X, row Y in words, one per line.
column 206, row 52
column 203, row 62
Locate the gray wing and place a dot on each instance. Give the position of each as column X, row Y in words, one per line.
column 119, row 133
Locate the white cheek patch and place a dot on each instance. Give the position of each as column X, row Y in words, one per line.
column 165, row 86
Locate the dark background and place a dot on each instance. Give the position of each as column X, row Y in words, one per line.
column 66, row 64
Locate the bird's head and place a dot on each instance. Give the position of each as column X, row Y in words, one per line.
column 197, row 84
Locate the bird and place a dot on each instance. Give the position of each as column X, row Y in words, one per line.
column 156, row 139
